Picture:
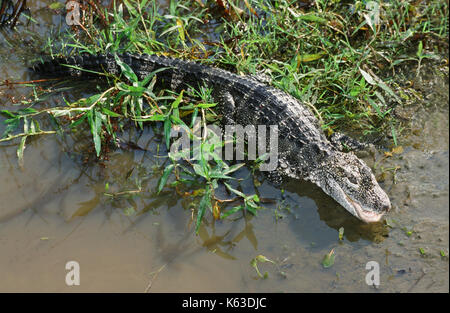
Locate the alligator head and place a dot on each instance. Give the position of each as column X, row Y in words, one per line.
column 349, row 181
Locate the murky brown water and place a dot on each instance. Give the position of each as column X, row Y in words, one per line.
column 54, row 210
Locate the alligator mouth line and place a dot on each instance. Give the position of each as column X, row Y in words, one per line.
column 366, row 216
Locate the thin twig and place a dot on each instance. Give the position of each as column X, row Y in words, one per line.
column 154, row 277
column 27, row 134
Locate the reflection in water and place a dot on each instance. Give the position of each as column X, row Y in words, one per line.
column 334, row 216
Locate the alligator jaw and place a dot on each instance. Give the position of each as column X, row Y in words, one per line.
column 366, row 216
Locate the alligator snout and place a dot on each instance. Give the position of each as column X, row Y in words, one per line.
column 386, row 208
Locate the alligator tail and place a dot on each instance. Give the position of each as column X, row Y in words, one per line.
column 86, row 65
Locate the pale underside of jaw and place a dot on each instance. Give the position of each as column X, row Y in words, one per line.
column 366, row 216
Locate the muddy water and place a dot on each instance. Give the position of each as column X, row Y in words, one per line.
column 56, row 209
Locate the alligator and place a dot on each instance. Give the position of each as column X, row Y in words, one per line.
column 305, row 152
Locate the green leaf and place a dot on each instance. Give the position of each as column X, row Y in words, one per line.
column 251, row 207
column 169, row 30
column 143, row 3
column 312, row 18
column 167, row 128
column 394, row 135
column 199, row 170
column 309, row 57
column 153, row 118
column 367, row 77
column 219, row 175
column 234, row 190
column 130, row 8
column 165, row 176
column 176, row 120
column 126, row 69
column 194, row 117
column 233, row 168
column 205, row 203
column 231, row 211
column 110, row 113
column 205, row 105
column 151, row 76
column 135, row 90
column 20, row 150
column 97, row 132
column 78, row 121
column 56, row 6
column 12, row 125
column 177, row 101
column 376, row 107
column 7, row 113
column 419, row 49
column 26, row 111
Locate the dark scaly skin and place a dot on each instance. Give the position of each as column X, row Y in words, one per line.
column 304, row 151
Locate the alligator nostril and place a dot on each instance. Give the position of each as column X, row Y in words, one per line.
column 386, row 208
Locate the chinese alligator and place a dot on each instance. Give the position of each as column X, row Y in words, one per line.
column 304, row 151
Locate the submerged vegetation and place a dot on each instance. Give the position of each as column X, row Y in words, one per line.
column 341, row 58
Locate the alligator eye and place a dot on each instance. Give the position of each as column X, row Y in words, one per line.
column 352, row 179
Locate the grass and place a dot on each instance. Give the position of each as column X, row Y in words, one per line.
column 339, row 58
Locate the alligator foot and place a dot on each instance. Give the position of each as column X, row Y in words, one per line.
column 274, row 177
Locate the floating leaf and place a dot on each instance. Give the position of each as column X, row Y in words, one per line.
column 263, row 259
column 328, row 259
column 341, row 233
column 254, row 264
column 129, row 211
